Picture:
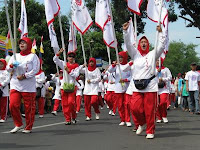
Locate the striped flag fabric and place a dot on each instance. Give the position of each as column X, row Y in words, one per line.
column 72, row 46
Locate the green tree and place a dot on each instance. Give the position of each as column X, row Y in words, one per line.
column 180, row 56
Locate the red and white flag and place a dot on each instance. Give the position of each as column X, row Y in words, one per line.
column 23, row 28
column 102, row 13
column 52, row 9
column 72, row 46
column 80, row 16
column 134, row 6
column 153, row 9
column 108, row 35
column 34, row 47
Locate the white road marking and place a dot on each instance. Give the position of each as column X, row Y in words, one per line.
column 43, row 126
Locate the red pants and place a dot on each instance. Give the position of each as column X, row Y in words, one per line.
column 41, row 103
column 100, row 101
column 127, row 107
column 119, row 103
column 69, row 105
column 143, row 106
column 168, row 101
column 3, row 107
column 173, row 97
column 29, row 104
column 91, row 100
column 78, row 102
column 56, row 104
column 162, row 106
column 109, row 99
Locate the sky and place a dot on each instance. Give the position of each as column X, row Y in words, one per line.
column 177, row 30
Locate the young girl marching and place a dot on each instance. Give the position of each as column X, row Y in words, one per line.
column 22, row 85
column 57, row 96
column 165, row 77
column 143, row 102
column 79, row 92
column 68, row 98
column 92, row 79
column 41, row 91
column 121, row 85
column 4, row 81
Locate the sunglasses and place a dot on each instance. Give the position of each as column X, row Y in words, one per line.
column 71, row 56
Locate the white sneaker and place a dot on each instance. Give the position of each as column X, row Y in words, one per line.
column 26, row 131
column 107, row 106
column 159, row 121
column 88, row 118
column 2, row 121
column 97, row 116
column 110, row 112
column 139, row 130
column 101, row 108
column 77, row 112
column 41, row 116
column 122, row 124
column 150, row 136
column 128, row 124
column 165, row 120
column 113, row 114
column 16, row 129
column 54, row 113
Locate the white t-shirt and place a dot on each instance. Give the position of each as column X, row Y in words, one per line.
column 193, row 77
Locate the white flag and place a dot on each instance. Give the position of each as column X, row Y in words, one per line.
column 134, row 6
column 102, row 13
column 23, row 28
column 108, row 36
column 153, row 9
column 80, row 16
column 52, row 9
column 72, row 46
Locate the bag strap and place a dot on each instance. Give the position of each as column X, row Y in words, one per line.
column 152, row 77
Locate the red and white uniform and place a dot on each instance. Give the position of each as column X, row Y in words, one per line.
column 29, row 66
column 79, row 94
column 4, row 81
column 163, row 93
column 110, row 88
column 143, row 102
column 172, row 92
column 90, row 91
column 57, row 95
column 68, row 99
column 40, row 83
column 120, row 95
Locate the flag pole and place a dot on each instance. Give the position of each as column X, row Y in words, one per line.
column 108, row 51
column 15, row 26
column 135, row 25
column 156, row 42
column 65, row 74
column 116, row 48
column 84, row 58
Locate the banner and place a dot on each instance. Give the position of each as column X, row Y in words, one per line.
column 72, row 46
column 80, row 16
column 23, row 28
column 134, row 6
column 5, row 44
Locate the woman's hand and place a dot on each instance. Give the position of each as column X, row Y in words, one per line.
column 21, row 77
column 60, row 51
column 125, row 26
column 158, row 28
column 89, row 81
column 66, row 68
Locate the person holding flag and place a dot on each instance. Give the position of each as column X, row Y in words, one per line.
column 68, row 98
column 121, row 85
column 22, row 85
column 145, row 87
column 4, row 94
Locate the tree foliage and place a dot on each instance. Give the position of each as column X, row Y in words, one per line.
column 180, row 56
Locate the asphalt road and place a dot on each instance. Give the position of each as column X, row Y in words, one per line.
column 49, row 133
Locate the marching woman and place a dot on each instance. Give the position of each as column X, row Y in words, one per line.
column 4, row 81
column 68, row 98
column 22, row 85
column 172, row 92
column 110, row 88
column 121, row 85
column 40, row 91
column 165, row 77
column 143, row 102
column 57, row 95
column 79, row 92
column 92, row 79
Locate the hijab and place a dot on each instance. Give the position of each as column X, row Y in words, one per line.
column 125, row 57
column 143, row 53
column 4, row 64
column 92, row 68
column 29, row 46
